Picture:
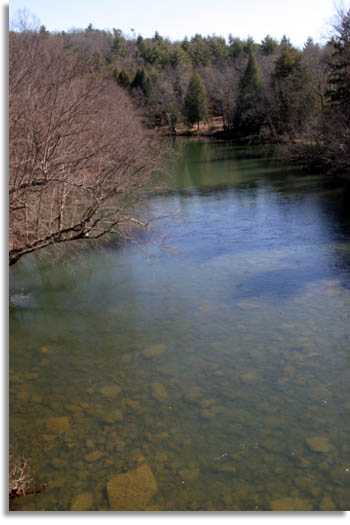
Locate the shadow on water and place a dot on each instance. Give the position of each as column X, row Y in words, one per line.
column 280, row 284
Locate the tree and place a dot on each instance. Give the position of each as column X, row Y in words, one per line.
column 124, row 79
column 79, row 158
column 328, row 144
column 164, row 98
column 140, row 81
column 200, row 51
column 268, row 45
column 334, row 145
column 317, row 59
column 236, row 47
column 249, row 115
column 119, row 45
column 339, row 80
column 222, row 83
column 294, row 97
column 196, row 105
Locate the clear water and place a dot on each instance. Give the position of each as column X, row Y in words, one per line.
column 231, row 349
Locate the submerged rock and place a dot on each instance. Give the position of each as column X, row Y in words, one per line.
column 189, row 474
column 159, row 392
column 247, row 306
column 110, row 390
column 333, row 292
column 250, row 377
column 15, row 379
column 130, row 403
column 327, row 503
column 293, row 504
column 206, row 403
column 226, row 468
column 154, row 351
column 94, row 456
column 113, row 416
column 193, row 396
column 319, row 444
column 57, row 425
column 208, row 413
column 132, row 490
column 83, row 501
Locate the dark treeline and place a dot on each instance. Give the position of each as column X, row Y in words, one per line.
column 269, row 91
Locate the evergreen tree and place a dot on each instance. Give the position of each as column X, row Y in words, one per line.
column 268, row 45
column 119, row 44
column 124, row 79
column 200, row 51
column 294, row 97
column 339, row 80
column 252, row 78
column 249, row 112
column 196, row 104
column 140, row 81
column 236, row 47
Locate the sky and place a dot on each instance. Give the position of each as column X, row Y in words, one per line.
column 298, row 19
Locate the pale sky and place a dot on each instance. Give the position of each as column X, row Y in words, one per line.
column 298, row 19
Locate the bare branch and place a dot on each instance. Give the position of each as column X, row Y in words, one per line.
column 79, row 156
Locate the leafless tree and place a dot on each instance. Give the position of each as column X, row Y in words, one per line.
column 317, row 59
column 222, row 85
column 79, row 157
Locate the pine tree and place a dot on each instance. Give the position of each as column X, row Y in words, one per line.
column 124, row 79
column 268, row 45
column 252, row 78
column 294, row 98
column 249, row 114
column 286, row 63
column 339, row 81
column 140, row 81
column 196, row 104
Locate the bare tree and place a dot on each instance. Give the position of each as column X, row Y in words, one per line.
column 79, row 157
column 318, row 59
column 25, row 21
column 222, row 84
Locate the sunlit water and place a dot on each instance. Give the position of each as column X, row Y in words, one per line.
column 221, row 363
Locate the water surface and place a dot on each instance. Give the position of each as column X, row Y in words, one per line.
column 220, row 362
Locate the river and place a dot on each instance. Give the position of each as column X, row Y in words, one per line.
column 215, row 370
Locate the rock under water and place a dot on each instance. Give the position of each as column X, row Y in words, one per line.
column 132, row 490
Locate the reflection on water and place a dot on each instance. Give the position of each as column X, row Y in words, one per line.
column 212, row 378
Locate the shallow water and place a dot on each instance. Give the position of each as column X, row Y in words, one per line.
column 221, row 363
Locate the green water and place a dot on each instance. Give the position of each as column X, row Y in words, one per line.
column 221, row 362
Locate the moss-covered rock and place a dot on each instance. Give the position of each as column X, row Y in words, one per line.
column 113, row 417
column 327, row 504
column 193, row 396
column 227, row 467
column 250, row 377
column 94, row 456
column 291, row 504
column 154, row 351
column 57, row 425
column 132, row 490
column 159, row 392
column 208, row 413
column 319, row 444
column 110, row 390
column 189, row 474
column 83, row 501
